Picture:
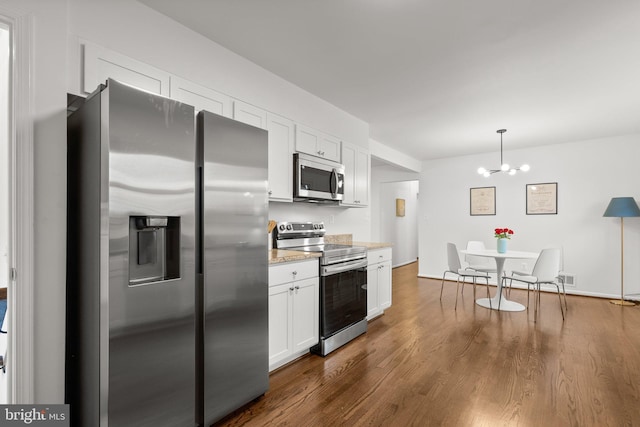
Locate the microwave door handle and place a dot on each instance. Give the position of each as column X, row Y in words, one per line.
column 334, row 187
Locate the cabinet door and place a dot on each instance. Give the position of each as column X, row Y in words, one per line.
column 101, row 64
column 362, row 162
column 307, row 140
column 373, row 306
column 329, row 147
column 349, row 162
column 356, row 162
column 384, row 284
column 249, row 114
column 202, row 98
column 281, row 140
column 279, row 322
column 305, row 313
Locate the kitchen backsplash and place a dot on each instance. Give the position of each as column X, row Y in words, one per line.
column 339, row 239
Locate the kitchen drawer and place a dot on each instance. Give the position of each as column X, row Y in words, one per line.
column 378, row 255
column 291, row 271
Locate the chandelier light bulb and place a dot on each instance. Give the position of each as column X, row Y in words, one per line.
column 504, row 167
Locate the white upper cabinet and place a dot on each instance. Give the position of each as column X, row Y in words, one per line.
column 281, row 142
column 200, row 97
column 316, row 143
column 249, row 114
column 357, row 161
column 101, row 64
column 330, row 147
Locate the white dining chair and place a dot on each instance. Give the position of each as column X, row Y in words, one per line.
column 479, row 263
column 545, row 271
column 559, row 278
column 455, row 267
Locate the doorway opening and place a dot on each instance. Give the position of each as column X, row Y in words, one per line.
column 394, row 209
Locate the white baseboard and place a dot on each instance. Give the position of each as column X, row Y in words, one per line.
column 405, row 263
column 569, row 291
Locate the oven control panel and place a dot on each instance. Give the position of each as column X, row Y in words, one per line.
column 285, row 229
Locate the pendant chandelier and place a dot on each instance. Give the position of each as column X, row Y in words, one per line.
column 504, row 167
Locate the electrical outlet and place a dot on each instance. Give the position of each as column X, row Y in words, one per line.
column 332, row 219
column 524, row 266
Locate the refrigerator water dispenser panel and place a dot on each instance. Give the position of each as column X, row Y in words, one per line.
column 154, row 248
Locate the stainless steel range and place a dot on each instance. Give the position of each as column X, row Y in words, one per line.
column 343, row 282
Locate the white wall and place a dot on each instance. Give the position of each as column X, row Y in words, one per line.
column 355, row 221
column 401, row 231
column 588, row 173
column 48, row 79
column 393, row 156
column 4, row 156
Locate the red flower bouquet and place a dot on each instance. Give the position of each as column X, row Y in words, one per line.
column 503, row 233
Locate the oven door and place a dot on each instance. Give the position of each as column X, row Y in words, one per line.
column 343, row 295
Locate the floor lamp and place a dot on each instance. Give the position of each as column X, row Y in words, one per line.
column 622, row 207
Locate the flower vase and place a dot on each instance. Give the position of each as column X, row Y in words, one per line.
column 502, row 246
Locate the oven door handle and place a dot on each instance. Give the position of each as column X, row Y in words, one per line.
column 329, row 270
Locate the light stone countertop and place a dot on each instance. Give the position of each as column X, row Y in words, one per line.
column 347, row 239
column 277, row 256
column 373, row 245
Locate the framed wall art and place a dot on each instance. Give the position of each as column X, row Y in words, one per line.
column 482, row 201
column 399, row 207
column 542, row 199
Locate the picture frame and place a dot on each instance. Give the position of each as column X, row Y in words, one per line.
column 542, row 198
column 400, row 203
column 482, row 201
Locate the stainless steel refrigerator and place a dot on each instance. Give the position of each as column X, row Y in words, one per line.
column 232, row 217
column 151, row 340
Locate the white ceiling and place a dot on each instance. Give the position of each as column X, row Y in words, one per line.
column 437, row 78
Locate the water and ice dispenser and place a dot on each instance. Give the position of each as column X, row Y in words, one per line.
column 154, row 249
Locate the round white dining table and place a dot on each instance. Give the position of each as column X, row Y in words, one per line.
column 499, row 300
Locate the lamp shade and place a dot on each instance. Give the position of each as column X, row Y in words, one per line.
column 622, row 207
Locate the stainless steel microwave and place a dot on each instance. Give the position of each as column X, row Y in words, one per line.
column 317, row 180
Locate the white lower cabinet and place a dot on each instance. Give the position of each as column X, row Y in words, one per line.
column 378, row 281
column 293, row 311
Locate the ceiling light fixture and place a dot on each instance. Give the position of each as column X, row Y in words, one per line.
column 504, row 167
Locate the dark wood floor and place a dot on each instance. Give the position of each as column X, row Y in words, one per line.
column 422, row 364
